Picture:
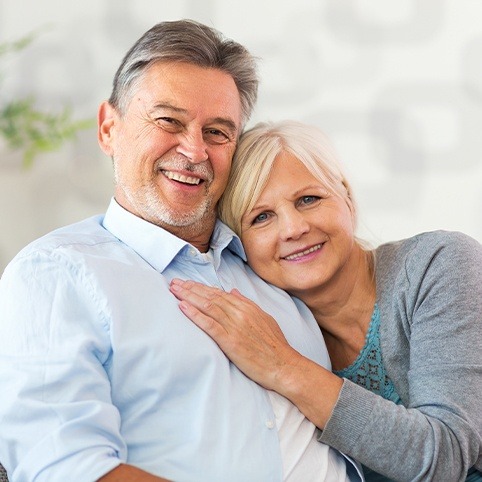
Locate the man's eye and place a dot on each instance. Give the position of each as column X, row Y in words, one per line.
column 216, row 136
column 168, row 122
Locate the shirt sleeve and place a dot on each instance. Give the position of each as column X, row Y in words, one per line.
column 56, row 412
column 437, row 435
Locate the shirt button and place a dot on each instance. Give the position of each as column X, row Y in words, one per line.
column 192, row 252
column 270, row 423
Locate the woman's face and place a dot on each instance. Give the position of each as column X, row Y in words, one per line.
column 298, row 236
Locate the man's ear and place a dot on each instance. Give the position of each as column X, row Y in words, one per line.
column 106, row 119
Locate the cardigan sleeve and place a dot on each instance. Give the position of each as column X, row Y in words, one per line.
column 432, row 308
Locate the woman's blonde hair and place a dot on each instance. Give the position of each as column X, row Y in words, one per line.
column 256, row 153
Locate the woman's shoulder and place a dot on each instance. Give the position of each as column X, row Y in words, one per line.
column 428, row 243
column 431, row 251
column 448, row 239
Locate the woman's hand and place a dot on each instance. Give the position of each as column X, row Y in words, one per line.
column 249, row 337
column 254, row 342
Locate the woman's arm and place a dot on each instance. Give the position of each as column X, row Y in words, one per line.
column 254, row 342
column 430, row 295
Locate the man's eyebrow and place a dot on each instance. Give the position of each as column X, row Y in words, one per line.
column 228, row 123
column 167, row 106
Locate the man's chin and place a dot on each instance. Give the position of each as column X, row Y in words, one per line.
column 199, row 221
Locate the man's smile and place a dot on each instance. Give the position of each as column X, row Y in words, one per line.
column 176, row 176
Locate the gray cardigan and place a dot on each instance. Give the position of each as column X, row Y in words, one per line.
column 429, row 292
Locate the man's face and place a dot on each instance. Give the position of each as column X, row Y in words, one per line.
column 173, row 146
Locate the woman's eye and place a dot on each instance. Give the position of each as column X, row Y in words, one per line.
column 260, row 218
column 306, row 200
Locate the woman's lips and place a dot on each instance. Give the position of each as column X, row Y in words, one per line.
column 300, row 254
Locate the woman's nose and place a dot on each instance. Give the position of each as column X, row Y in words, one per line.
column 193, row 146
column 292, row 225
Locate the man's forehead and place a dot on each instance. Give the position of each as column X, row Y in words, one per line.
column 190, row 91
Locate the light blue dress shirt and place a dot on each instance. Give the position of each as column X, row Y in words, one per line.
column 98, row 365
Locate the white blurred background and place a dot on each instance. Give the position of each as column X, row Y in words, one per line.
column 397, row 85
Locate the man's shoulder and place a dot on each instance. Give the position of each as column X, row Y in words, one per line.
column 75, row 236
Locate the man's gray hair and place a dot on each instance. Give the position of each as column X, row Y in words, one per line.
column 191, row 42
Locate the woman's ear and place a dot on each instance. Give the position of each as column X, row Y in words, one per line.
column 106, row 120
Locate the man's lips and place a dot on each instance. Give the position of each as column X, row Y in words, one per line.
column 176, row 176
column 300, row 254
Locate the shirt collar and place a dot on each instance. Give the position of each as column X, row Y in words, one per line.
column 156, row 245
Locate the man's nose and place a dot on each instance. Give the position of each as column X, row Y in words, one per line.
column 193, row 146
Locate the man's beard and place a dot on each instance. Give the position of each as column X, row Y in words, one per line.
column 150, row 207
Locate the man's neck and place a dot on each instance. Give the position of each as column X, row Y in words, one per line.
column 198, row 234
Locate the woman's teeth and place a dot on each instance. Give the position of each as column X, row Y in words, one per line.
column 303, row 253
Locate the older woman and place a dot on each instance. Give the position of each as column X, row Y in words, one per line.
column 402, row 322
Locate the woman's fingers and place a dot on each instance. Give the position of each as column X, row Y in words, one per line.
column 229, row 309
column 209, row 301
column 213, row 301
column 178, row 285
column 248, row 336
column 208, row 324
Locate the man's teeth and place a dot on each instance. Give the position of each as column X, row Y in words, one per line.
column 303, row 253
column 181, row 178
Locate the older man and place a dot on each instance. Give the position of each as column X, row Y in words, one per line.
column 103, row 378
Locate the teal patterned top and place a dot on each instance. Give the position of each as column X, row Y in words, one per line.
column 368, row 370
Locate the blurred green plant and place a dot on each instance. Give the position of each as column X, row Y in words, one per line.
column 30, row 130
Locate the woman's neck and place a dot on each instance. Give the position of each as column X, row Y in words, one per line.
column 344, row 308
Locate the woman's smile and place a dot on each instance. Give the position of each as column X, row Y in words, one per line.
column 304, row 253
